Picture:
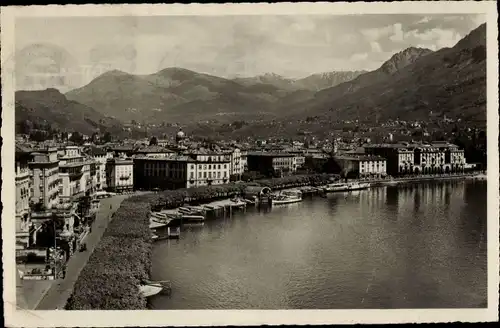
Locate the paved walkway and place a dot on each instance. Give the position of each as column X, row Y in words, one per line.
column 59, row 293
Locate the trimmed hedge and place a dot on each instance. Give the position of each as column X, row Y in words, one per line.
column 120, row 261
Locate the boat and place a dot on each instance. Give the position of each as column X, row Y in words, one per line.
column 287, row 197
column 340, row 186
column 189, row 219
column 359, row 185
column 150, row 289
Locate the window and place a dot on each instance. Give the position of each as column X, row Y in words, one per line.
column 225, row 166
column 218, row 174
column 199, row 175
column 204, row 167
column 210, row 167
column 218, row 166
column 205, row 175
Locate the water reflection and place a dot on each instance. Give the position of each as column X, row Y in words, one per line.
column 419, row 245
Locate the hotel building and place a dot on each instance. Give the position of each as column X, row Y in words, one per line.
column 23, row 194
column 78, row 174
column 362, row 165
column 46, row 180
column 120, row 174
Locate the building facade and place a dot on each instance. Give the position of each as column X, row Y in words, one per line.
column 362, row 165
column 162, row 173
column 209, row 168
column 406, row 158
column 272, row 164
column 46, row 181
column 23, row 195
column 120, row 174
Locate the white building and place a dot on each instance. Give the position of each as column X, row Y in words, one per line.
column 362, row 165
column 23, row 194
column 100, row 156
column 78, row 174
column 46, row 181
column 120, row 174
column 209, row 168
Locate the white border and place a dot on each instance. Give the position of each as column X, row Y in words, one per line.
column 24, row 318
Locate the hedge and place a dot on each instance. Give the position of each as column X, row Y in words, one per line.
column 120, row 261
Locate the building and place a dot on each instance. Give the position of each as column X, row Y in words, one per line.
column 46, row 181
column 400, row 158
column 100, row 156
column 419, row 158
column 78, row 175
column 362, row 165
column 163, row 172
column 271, row 164
column 237, row 165
column 23, row 195
column 120, row 174
column 209, row 167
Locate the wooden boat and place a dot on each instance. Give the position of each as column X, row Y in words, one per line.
column 150, row 290
column 193, row 219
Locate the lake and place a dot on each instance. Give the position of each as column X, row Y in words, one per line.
column 420, row 245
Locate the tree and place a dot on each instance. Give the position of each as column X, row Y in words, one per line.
column 76, row 137
column 153, row 141
column 107, row 137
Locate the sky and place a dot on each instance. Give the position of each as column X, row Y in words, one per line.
column 226, row 46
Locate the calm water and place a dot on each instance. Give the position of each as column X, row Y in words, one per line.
column 413, row 246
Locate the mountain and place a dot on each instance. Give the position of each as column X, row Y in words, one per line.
column 52, row 107
column 175, row 94
column 314, row 82
column 325, row 80
column 275, row 80
column 411, row 85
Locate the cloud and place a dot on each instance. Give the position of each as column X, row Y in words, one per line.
column 375, row 46
column 397, row 33
column 436, row 37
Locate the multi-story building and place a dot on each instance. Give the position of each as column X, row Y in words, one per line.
column 23, row 194
column 171, row 172
column 236, row 167
column 100, row 156
column 78, row 174
column 362, row 165
column 271, row 163
column 209, row 168
column 244, row 159
column 406, row 158
column 46, row 180
column 120, row 174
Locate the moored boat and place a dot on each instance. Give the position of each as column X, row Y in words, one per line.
column 359, row 185
column 340, row 186
column 287, row 197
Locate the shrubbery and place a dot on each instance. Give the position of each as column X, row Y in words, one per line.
column 122, row 259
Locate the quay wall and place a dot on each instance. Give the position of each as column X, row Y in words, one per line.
column 122, row 259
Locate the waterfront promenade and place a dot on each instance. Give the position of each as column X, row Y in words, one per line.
column 60, row 291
